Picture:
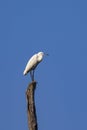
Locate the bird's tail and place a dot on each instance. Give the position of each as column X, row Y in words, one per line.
column 24, row 73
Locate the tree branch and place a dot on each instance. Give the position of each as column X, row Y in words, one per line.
column 31, row 110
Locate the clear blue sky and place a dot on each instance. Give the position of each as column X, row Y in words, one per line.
column 57, row 27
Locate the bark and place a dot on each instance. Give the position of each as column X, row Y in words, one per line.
column 31, row 110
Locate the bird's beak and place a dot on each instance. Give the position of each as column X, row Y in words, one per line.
column 46, row 54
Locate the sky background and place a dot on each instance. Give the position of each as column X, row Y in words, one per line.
column 56, row 27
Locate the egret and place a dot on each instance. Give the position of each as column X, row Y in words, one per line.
column 32, row 64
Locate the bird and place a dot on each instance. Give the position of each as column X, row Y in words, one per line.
column 32, row 64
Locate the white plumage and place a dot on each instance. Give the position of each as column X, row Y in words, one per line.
column 32, row 64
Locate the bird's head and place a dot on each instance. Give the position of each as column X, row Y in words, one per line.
column 40, row 56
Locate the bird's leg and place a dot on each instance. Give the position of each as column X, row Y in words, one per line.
column 32, row 75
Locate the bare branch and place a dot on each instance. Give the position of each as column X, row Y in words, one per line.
column 31, row 110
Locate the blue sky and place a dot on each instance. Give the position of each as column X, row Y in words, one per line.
column 60, row 29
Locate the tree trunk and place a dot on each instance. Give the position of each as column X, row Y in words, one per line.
column 31, row 110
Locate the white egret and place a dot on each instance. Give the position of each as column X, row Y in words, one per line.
column 32, row 64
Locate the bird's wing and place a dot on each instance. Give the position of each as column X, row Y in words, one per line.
column 32, row 63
